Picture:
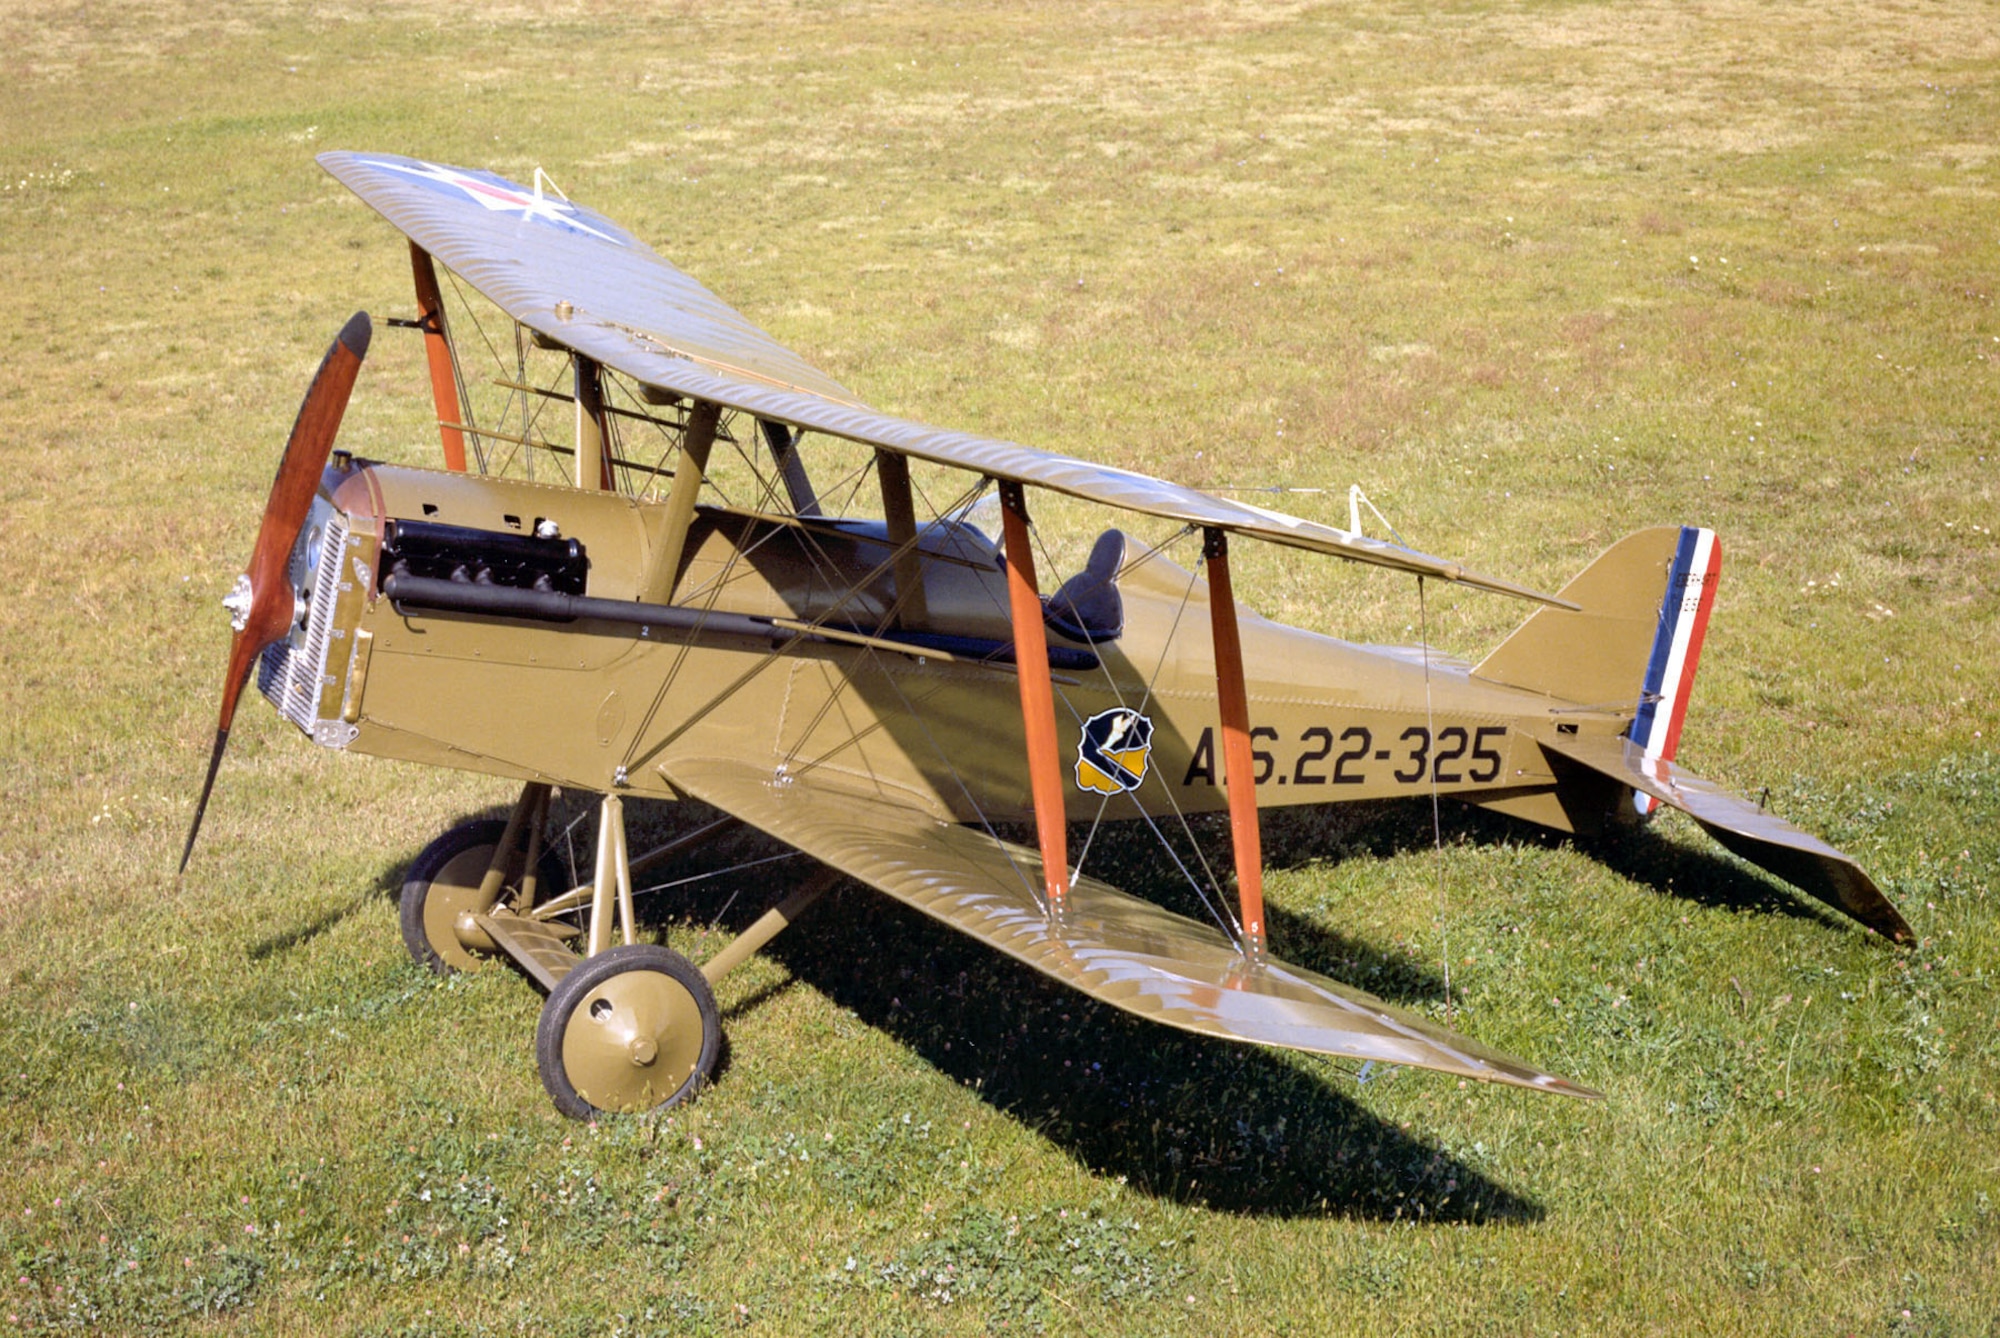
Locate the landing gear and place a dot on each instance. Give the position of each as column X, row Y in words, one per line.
column 628, row 1027
column 631, row 1029
column 456, row 878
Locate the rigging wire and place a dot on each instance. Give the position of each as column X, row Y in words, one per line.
column 712, row 591
column 966, row 500
column 1230, row 926
column 777, row 652
column 717, row 873
column 1187, row 829
column 882, row 625
column 459, row 384
column 1437, row 824
column 458, row 366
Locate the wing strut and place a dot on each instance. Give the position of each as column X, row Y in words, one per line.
column 785, row 450
column 437, row 348
column 900, row 511
column 696, row 438
column 1038, row 695
column 1238, row 776
column 593, row 438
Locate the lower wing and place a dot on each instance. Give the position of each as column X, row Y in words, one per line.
column 1110, row 945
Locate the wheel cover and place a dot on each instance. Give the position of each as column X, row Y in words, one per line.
column 454, row 891
column 633, row 1042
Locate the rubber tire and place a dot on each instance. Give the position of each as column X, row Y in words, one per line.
column 570, row 992
column 424, row 869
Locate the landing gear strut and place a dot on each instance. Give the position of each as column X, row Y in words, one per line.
column 628, row 1026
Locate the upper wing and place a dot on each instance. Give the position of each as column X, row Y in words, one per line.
column 579, row 278
column 1759, row 836
column 1112, row 946
column 586, row 283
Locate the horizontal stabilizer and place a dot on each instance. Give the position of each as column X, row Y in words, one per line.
column 1112, row 946
column 1744, row 829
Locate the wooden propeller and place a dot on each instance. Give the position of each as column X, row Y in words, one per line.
column 262, row 605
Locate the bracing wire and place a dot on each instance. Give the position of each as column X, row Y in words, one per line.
column 1437, row 823
column 909, row 705
column 1225, row 920
column 688, row 879
column 711, row 592
column 1219, row 908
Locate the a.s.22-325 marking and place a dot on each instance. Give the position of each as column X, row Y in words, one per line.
column 1455, row 756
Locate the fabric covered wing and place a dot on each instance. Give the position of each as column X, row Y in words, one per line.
column 533, row 252
column 1761, row 837
column 586, row 283
column 1110, row 945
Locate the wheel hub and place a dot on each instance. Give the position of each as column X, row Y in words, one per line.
column 633, row 1041
column 451, row 903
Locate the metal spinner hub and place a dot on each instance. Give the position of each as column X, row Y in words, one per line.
column 238, row 602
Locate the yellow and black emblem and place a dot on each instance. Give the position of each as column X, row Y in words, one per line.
column 1111, row 755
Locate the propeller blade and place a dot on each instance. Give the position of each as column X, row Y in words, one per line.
column 201, row 804
column 262, row 603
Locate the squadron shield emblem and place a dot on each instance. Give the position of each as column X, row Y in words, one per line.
column 1111, row 755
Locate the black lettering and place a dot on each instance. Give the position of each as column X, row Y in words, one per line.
column 1480, row 752
column 1202, row 764
column 1420, row 752
column 1265, row 762
column 1451, row 754
column 1300, row 776
column 1362, row 742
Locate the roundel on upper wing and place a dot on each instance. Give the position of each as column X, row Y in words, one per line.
column 1111, row 756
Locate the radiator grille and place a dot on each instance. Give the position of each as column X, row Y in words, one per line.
column 294, row 676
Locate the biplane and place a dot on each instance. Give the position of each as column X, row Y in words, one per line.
column 859, row 669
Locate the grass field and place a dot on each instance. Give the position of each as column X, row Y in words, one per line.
column 1533, row 274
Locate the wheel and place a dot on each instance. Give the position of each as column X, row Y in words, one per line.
column 629, row 1030
column 442, row 885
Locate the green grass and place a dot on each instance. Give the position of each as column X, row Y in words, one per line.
column 1534, row 275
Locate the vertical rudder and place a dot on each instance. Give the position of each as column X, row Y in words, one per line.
column 1670, row 669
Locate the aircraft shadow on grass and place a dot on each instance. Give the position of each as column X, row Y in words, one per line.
column 1294, row 838
column 388, row 884
column 1235, row 1128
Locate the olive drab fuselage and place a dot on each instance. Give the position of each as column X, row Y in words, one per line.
column 599, row 705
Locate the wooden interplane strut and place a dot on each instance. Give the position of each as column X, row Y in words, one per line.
column 1238, row 775
column 688, row 474
column 1038, row 695
column 593, row 435
column 899, row 510
column 437, row 351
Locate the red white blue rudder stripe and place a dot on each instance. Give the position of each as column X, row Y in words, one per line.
column 1663, row 700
